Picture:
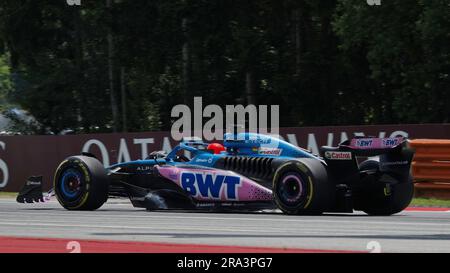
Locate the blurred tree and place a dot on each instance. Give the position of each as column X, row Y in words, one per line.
column 404, row 47
column 5, row 82
column 324, row 62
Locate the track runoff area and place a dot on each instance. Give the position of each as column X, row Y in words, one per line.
column 119, row 228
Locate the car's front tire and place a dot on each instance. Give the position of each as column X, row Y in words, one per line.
column 81, row 183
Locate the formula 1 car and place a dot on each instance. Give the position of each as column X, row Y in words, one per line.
column 249, row 171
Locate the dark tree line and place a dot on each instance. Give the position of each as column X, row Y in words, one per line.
column 122, row 64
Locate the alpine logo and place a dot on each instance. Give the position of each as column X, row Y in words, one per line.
column 143, row 168
column 204, row 160
column 201, row 160
column 338, row 155
column 210, row 186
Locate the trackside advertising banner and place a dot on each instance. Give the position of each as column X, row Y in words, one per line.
column 23, row 156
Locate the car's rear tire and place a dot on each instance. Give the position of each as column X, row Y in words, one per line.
column 302, row 187
column 385, row 199
column 81, row 183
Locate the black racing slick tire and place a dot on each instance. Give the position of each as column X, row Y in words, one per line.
column 302, row 187
column 385, row 199
column 81, row 183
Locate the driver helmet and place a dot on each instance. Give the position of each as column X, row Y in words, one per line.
column 216, row 148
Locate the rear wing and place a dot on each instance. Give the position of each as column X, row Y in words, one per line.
column 372, row 146
column 376, row 143
column 394, row 154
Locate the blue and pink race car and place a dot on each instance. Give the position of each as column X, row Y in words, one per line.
column 247, row 172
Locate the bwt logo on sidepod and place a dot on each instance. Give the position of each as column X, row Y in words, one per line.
column 210, row 185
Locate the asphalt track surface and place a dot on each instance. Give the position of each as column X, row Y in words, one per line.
column 118, row 221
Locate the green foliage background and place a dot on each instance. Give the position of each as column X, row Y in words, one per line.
column 331, row 62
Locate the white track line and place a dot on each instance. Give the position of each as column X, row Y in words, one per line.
column 196, row 218
column 186, row 230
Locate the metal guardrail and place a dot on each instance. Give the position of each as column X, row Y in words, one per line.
column 431, row 167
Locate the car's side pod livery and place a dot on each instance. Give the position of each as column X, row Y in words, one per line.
column 250, row 171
